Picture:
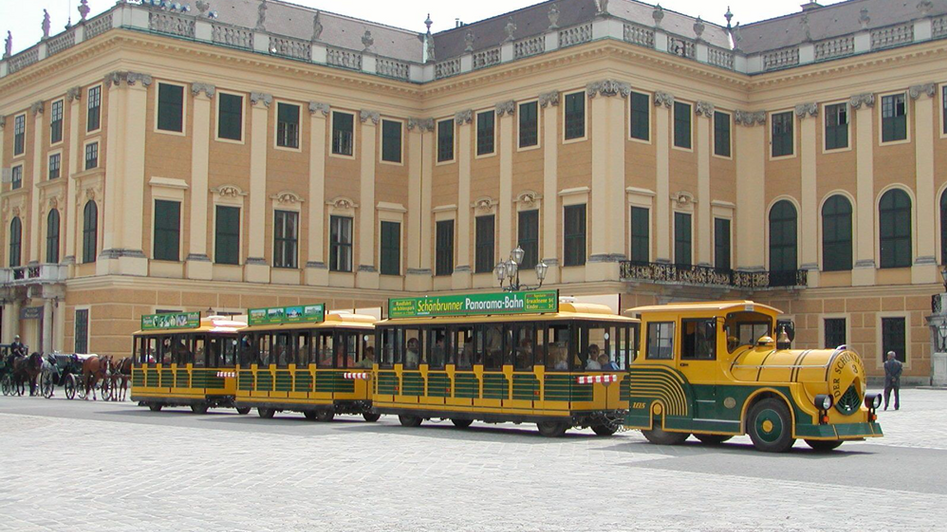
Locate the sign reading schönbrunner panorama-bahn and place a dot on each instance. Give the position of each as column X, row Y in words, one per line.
column 538, row 302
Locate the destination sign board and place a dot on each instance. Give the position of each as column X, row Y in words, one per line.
column 177, row 320
column 281, row 315
column 539, row 302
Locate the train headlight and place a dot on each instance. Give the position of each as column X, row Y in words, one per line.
column 823, row 401
column 873, row 400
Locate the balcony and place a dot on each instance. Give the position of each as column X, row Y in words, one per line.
column 653, row 272
column 34, row 274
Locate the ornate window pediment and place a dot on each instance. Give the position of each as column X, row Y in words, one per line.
column 228, row 191
column 287, row 197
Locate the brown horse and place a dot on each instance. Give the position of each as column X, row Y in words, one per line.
column 121, row 376
column 93, row 370
column 26, row 369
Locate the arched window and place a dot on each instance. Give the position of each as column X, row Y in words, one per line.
column 894, row 223
column 52, row 237
column 837, row 234
column 782, row 237
column 90, row 230
column 16, row 233
column 943, row 228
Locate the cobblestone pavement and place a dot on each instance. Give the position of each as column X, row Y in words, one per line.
column 101, row 467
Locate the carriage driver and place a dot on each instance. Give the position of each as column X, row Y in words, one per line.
column 17, row 347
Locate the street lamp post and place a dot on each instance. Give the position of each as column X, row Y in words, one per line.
column 509, row 272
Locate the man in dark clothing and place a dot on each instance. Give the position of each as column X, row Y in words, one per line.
column 893, row 380
column 17, row 347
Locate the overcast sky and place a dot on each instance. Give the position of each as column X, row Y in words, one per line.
column 24, row 17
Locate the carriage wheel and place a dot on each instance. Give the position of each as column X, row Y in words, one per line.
column 47, row 385
column 6, row 385
column 106, row 389
column 80, row 390
column 69, row 386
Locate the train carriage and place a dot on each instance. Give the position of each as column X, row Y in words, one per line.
column 521, row 357
column 715, row 371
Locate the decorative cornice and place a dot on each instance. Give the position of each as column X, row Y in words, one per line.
column 287, row 197
column 484, row 204
column 258, row 97
column 528, row 198
column 342, row 203
column 128, row 78
column 805, row 110
column 73, row 94
column 463, row 117
column 424, row 125
column 749, row 118
column 365, row 116
column 608, row 87
column 228, row 191
column 706, row 109
column 319, row 106
column 549, row 98
column 37, row 108
column 208, row 89
column 663, row 98
column 867, row 98
column 916, row 91
column 506, row 108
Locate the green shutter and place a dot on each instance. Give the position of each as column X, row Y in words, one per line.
column 722, row 134
column 486, row 229
column 391, row 141
column 640, row 235
column 682, row 239
column 529, row 124
column 230, row 119
column 575, row 116
column 227, row 240
column 721, row 243
column 445, row 140
column 574, row 236
column 837, row 234
column 485, row 133
column 167, row 230
column 444, row 248
column 782, row 237
column 528, row 237
column 170, row 107
column 390, row 248
column 640, row 116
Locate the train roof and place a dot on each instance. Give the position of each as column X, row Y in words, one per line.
column 567, row 311
column 333, row 320
column 707, row 307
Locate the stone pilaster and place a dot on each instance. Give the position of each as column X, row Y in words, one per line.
column 317, row 274
column 925, row 265
column 35, row 229
column 808, row 114
column 199, row 264
column 751, row 181
column 704, row 223
column 70, row 167
column 367, row 276
column 256, row 269
column 505, row 113
column 461, row 277
column 663, row 103
column 418, row 233
column 864, row 272
column 549, row 104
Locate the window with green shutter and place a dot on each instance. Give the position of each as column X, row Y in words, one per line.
column 170, row 107
column 574, row 246
column 94, row 108
column 782, row 134
column 837, row 234
column 485, row 229
column 391, row 141
column 683, row 242
column 90, row 232
column 16, row 235
column 445, row 140
column 287, row 125
column 167, row 230
column 229, row 116
column 444, row 248
column 285, row 239
column 227, row 235
column 486, row 132
column 836, row 126
column 893, row 338
column 894, row 118
column 834, row 332
column 55, row 166
column 55, row 121
column 52, row 237
column 529, row 124
column 340, row 244
column 390, row 248
column 575, row 115
column 894, row 225
column 528, row 237
column 343, row 133
column 19, row 135
column 722, row 134
column 82, row 331
column 721, row 243
column 640, row 116
column 682, row 125
column 782, row 237
column 640, row 234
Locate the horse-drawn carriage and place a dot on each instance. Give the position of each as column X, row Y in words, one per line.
column 6, row 369
column 64, row 370
column 18, row 368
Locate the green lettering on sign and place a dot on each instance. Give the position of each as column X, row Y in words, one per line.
column 179, row 320
column 475, row 304
column 281, row 315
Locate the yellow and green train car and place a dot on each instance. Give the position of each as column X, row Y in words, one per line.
column 301, row 359
column 520, row 357
column 183, row 360
column 713, row 370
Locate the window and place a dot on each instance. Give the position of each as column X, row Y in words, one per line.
column 55, row 165
column 640, row 234
column 94, row 108
column 52, row 237
column 721, row 243
column 16, row 236
column 444, row 248
column 721, row 134
column 286, row 237
column 895, row 229
column 893, row 338
column 227, row 238
column 682, row 239
column 699, row 339
column 894, row 118
column 836, row 126
column 486, row 133
column 287, row 125
column 640, row 116
column 16, row 177
column 574, row 236
column 343, row 133
column 91, row 155
column 575, row 115
column 660, row 341
column 82, row 331
column 528, row 237
column 390, row 248
column 391, row 141
column 19, row 135
column 782, row 140
column 167, row 230
column 943, row 228
column 170, row 108
column 834, row 332
column 55, row 121
column 485, row 244
column 445, row 140
column 340, row 243
column 837, row 234
column 90, row 230
column 682, row 125
column 229, row 116
column 529, row 124
column 782, row 237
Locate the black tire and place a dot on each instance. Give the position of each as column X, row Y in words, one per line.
column 199, row 409
column 659, row 436
column 69, row 387
column 461, row 423
column 770, row 426
column 370, row 417
column 156, row 407
column 310, row 415
column 47, row 385
column 265, row 413
column 604, row 430
column 552, row 429
column 712, row 439
column 324, row 415
column 106, row 389
column 6, row 385
column 823, row 446
column 409, row 420
column 243, row 410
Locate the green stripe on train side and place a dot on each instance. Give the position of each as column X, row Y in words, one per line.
column 466, row 386
column 284, row 380
column 525, row 387
column 387, row 383
column 438, row 385
column 495, row 386
column 303, row 381
column 412, row 383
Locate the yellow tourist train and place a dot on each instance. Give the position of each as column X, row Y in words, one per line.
column 183, row 360
column 304, row 360
column 714, row 370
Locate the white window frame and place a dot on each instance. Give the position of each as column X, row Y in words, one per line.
column 713, row 137
column 879, row 336
column 26, row 129
column 795, row 136
column 476, row 131
column 673, row 124
column 822, row 117
column 381, row 141
column 165, row 189
column 184, row 98
column 650, row 97
column 62, row 122
column 539, row 125
column 835, row 316
column 82, row 156
column 49, row 155
column 585, row 131
column 243, row 121
column 85, row 108
column 299, row 133
column 437, row 141
column 355, row 123
column 907, row 119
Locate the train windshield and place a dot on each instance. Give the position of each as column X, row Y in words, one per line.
column 746, row 328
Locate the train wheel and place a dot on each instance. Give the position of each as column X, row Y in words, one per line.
column 552, row 429
column 310, row 415
column 156, row 407
column 770, row 426
column 199, row 408
column 712, row 439
column 410, row 421
column 823, row 445
column 461, row 423
column 325, row 415
column 265, row 413
column 371, row 418
column 659, row 436
column 69, row 387
column 6, row 385
column 243, row 411
column 605, row 430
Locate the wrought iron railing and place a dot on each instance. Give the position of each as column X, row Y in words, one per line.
column 708, row 276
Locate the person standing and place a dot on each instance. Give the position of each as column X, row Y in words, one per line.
column 893, row 369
